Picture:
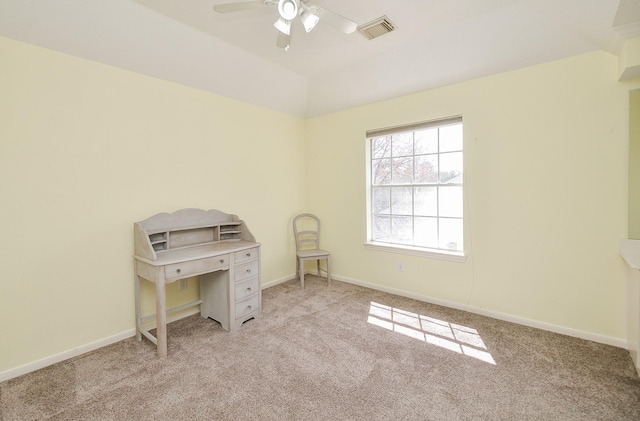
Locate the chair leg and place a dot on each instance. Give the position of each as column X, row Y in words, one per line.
column 295, row 277
column 301, row 264
column 328, row 271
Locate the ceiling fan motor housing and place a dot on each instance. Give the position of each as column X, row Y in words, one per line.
column 288, row 9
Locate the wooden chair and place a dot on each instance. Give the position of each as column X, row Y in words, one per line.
column 306, row 229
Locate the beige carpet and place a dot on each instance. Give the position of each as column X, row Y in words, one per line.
column 339, row 353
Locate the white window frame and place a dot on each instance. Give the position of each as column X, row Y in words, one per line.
column 437, row 253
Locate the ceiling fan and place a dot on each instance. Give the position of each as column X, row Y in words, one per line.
column 288, row 10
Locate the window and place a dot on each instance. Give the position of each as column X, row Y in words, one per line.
column 415, row 182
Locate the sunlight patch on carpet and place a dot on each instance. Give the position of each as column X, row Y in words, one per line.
column 457, row 338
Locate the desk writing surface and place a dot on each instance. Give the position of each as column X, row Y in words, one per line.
column 197, row 252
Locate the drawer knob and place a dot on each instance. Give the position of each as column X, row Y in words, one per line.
column 248, row 254
column 221, row 260
column 249, row 307
column 249, row 289
column 248, row 270
column 178, row 270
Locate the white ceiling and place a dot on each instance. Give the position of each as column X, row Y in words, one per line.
column 437, row 42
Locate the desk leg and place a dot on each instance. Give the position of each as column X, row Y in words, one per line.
column 138, row 311
column 161, row 317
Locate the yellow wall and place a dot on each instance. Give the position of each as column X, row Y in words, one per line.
column 546, row 194
column 87, row 149
column 634, row 165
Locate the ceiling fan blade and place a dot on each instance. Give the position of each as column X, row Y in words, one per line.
column 240, row 6
column 333, row 19
column 284, row 40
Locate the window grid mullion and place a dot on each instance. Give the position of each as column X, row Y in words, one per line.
column 413, row 190
column 418, row 185
column 391, row 232
column 438, row 195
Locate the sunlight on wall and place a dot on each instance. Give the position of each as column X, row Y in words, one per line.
column 461, row 339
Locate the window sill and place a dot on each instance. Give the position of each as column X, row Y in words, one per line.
column 452, row 256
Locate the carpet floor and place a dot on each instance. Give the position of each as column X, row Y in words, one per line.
column 337, row 353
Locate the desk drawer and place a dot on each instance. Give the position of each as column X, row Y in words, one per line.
column 247, row 270
column 243, row 255
column 247, row 288
column 195, row 267
column 248, row 306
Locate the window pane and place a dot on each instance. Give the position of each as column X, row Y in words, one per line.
column 381, row 171
column 381, row 200
column 451, row 138
column 425, row 232
column 416, row 186
column 426, row 169
column 450, row 201
column 402, row 170
column 402, row 200
column 402, row 144
column 381, row 228
column 451, row 236
column 425, row 201
column 402, row 229
column 451, row 167
column 426, row 141
column 381, row 147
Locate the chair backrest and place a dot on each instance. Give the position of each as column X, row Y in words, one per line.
column 306, row 229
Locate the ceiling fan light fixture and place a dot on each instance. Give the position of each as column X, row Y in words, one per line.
column 283, row 26
column 309, row 19
column 288, row 9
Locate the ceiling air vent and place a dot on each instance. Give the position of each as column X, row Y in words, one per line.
column 376, row 28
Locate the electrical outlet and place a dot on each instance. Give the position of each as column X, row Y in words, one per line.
column 182, row 284
column 400, row 266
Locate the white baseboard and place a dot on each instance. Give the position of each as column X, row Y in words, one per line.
column 277, row 281
column 65, row 355
column 74, row 352
column 603, row 339
column 288, row 278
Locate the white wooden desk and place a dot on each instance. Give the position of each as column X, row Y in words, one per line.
column 192, row 242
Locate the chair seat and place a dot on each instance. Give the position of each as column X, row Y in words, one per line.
column 312, row 253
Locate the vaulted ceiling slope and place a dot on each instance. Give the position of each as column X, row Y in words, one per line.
column 437, row 42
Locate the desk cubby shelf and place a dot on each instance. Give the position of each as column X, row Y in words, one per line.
column 158, row 240
column 165, row 232
column 185, row 237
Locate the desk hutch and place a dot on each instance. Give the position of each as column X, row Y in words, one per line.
column 211, row 244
